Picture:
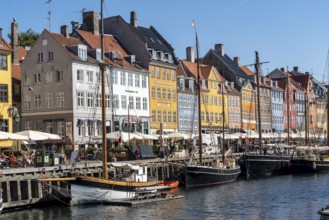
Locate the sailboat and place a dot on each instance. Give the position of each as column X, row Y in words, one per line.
column 221, row 171
column 86, row 189
column 270, row 162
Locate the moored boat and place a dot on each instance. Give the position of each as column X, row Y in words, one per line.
column 170, row 183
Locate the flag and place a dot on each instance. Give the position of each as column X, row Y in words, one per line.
column 193, row 25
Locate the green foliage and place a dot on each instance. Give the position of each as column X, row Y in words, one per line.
column 27, row 38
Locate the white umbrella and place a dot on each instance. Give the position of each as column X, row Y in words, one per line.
column 147, row 136
column 174, row 136
column 124, row 136
column 38, row 135
column 11, row 136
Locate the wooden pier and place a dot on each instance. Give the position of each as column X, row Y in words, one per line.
column 21, row 186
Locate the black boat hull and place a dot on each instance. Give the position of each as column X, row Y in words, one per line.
column 204, row 176
column 299, row 166
column 264, row 165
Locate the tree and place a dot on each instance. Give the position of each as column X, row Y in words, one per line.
column 27, row 38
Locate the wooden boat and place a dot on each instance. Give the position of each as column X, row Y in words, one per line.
column 131, row 182
column 170, row 183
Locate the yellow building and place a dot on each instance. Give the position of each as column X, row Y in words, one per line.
column 163, row 98
column 248, row 103
column 5, row 89
column 321, row 111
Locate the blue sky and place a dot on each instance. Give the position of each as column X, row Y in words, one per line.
column 286, row 33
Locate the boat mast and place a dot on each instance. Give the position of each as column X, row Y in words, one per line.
column 328, row 116
column 258, row 101
column 223, row 126
column 306, row 120
column 102, row 67
column 288, row 108
column 199, row 92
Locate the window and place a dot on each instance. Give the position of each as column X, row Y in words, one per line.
column 81, row 99
column 37, row 101
column 168, row 74
column 99, row 100
column 59, row 76
column 40, row 57
column 174, row 119
column 3, row 93
column 163, row 73
column 107, row 101
column 60, row 128
column 60, row 100
column 90, row 100
column 123, row 78
column 131, row 102
column 159, row 116
column 144, row 85
column 27, row 80
column 81, row 128
column 124, row 102
column 49, row 77
column 138, row 103
column 98, row 78
column 152, row 71
column 157, row 72
column 80, row 75
column 153, row 116
column 169, row 116
column 27, row 102
column 115, row 78
column 159, row 93
column 82, row 53
column 130, row 79
column 144, row 103
column 169, row 94
column 49, row 100
column 50, row 56
column 4, row 125
column 91, row 129
column 49, row 127
column 90, row 76
column 173, row 76
column 115, row 101
column 181, row 84
column 153, row 93
column 173, row 94
column 28, row 125
column 37, row 78
column 211, row 100
column 163, row 93
column 3, row 62
column 137, row 80
column 164, row 116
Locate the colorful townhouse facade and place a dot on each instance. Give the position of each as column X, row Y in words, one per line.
column 156, row 55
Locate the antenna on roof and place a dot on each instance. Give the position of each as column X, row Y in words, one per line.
column 49, row 13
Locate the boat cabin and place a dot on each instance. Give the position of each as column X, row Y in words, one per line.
column 129, row 172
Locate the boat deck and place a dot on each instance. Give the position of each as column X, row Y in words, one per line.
column 144, row 201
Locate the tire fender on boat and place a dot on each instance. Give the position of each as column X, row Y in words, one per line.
column 314, row 165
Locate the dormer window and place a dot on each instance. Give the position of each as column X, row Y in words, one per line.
column 82, row 52
column 98, row 55
column 181, row 84
column 191, row 85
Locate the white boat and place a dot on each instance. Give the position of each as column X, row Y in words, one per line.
column 131, row 181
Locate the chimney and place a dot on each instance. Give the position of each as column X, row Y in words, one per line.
column 75, row 25
column 133, row 18
column 90, row 22
column 296, row 69
column 219, row 48
column 307, row 73
column 14, row 42
column 237, row 60
column 190, row 54
column 65, row 31
column 0, row 36
column 282, row 69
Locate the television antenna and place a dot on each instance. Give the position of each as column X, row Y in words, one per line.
column 49, row 14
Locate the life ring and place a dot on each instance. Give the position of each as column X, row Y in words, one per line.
column 314, row 165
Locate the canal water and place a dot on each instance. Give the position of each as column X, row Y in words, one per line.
column 281, row 197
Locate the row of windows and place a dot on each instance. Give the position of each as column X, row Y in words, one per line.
column 46, row 56
column 212, row 117
column 134, row 80
column 212, row 100
column 49, row 77
column 162, row 73
column 50, row 126
column 234, row 117
column 188, row 122
column 134, row 102
column 48, row 101
column 163, row 93
column 164, row 116
column 187, row 102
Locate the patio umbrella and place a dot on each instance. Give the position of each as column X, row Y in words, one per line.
column 174, row 136
column 124, row 136
column 147, row 136
column 38, row 135
column 11, row 136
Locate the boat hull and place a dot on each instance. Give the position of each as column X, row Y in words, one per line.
column 299, row 166
column 203, row 176
column 96, row 190
column 264, row 165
